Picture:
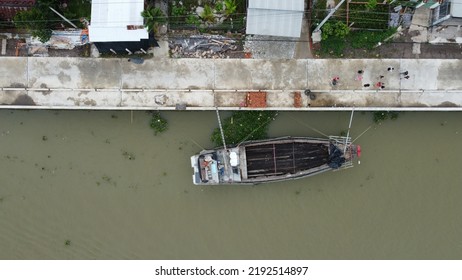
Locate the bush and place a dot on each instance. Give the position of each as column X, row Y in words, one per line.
column 207, row 15
column 153, row 17
column 158, row 123
column 244, row 125
column 219, row 6
column 178, row 11
column 230, row 7
column 336, row 29
column 193, row 19
column 36, row 22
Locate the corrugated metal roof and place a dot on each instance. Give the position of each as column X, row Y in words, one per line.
column 275, row 17
column 285, row 5
column 109, row 20
column 274, row 22
column 456, row 8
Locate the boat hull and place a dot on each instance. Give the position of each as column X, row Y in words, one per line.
column 272, row 160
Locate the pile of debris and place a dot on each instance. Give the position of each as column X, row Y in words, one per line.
column 202, row 46
column 256, row 99
column 297, row 99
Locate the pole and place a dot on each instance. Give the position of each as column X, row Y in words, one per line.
column 328, row 16
column 68, row 21
column 348, row 133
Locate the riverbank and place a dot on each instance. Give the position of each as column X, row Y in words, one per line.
column 191, row 84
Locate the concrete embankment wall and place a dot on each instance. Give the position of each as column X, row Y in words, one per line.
column 203, row 84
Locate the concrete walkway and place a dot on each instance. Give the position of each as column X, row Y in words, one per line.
column 303, row 48
column 194, row 84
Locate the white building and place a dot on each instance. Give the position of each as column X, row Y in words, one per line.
column 456, row 8
column 117, row 21
column 275, row 17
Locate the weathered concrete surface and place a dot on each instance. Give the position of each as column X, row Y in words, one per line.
column 13, row 72
column 95, row 83
column 168, row 74
column 71, row 73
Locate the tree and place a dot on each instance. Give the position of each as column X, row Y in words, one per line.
column 39, row 19
column 34, row 21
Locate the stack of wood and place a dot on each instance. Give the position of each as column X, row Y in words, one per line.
column 256, row 99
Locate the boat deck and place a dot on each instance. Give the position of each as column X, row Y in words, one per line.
column 274, row 159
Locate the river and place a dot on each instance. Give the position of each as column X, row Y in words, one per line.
column 101, row 185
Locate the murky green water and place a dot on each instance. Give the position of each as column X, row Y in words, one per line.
column 103, row 182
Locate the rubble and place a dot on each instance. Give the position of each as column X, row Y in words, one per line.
column 202, row 46
column 298, row 99
column 256, row 99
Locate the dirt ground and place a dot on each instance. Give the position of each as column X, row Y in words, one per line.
column 399, row 48
column 17, row 47
column 402, row 48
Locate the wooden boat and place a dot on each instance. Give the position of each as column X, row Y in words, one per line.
column 273, row 160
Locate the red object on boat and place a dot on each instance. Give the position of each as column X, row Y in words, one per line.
column 358, row 150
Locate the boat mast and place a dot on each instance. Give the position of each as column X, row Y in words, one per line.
column 348, row 133
column 221, row 128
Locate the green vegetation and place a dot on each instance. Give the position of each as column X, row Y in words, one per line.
column 371, row 4
column 217, row 15
column 67, row 242
column 369, row 39
column 381, row 116
column 219, row 6
column 158, row 123
column 207, row 15
column 77, row 9
column 36, row 21
column 318, row 12
column 193, row 19
column 367, row 16
column 40, row 20
column 336, row 29
column 231, row 7
column 337, row 46
column 178, row 11
column 341, row 37
column 244, row 125
column 153, row 17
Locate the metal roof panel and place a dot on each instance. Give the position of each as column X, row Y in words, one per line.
column 284, row 5
column 109, row 20
column 274, row 22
